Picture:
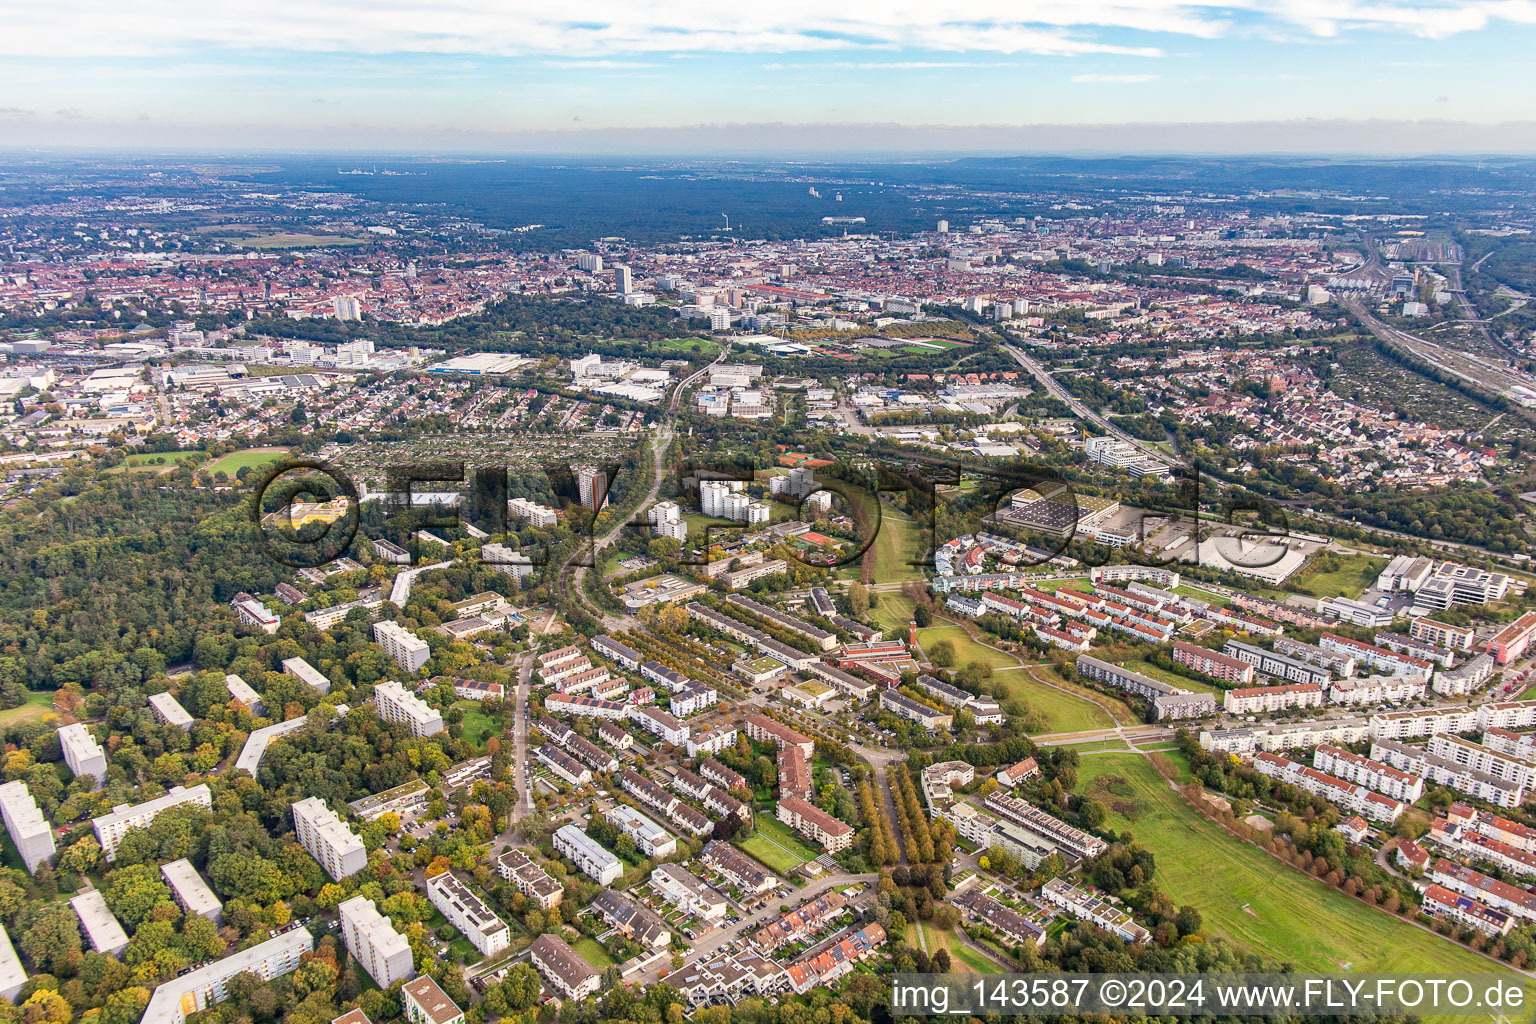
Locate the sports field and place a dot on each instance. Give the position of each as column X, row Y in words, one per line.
column 234, row 462
column 1249, row 897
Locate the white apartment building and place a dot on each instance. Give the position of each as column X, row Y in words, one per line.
column 688, row 892
column 666, row 519
column 713, row 493
column 409, row 651
column 110, row 828
column 102, row 930
column 169, row 710
column 327, row 838
column 1381, row 777
column 191, row 892
column 531, row 880
column 594, row 860
column 468, row 913
column 651, row 838
column 29, row 830
column 1265, row 699
column 532, row 513
column 173, row 1000
column 82, row 753
column 240, row 690
column 1351, row 797
column 307, row 674
column 397, row 704
column 1516, row 769
column 373, row 942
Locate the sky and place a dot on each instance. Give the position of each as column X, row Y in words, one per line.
column 1355, row 76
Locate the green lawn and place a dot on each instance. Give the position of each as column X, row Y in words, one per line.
column 37, row 705
column 774, row 829
column 966, row 649
column 1353, row 575
column 893, row 612
column 477, row 724
column 234, row 462
column 1249, row 897
column 899, row 542
column 592, row 952
column 975, row 961
column 679, row 346
column 149, row 462
column 1064, row 712
column 777, row 860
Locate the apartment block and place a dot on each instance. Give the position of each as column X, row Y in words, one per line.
column 914, row 711
column 1091, row 907
column 565, row 969
column 397, row 704
column 173, row 1000
column 1211, row 663
column 110, row 828
column 815, row 823
column 1348, row 795
column 1444, row 772
column 426, row 1003
column 1381, row 777
column 649, row 837
column 1441, row 634
column 468, row 913
column 408, row 650
column 588, row 855
column 372, row 940
column 29, row 830
column 102, row 929
column 1264, row 699
column 82, row 753
column 531, row 880
column 307, row 674
column 170, row 712
column 191, row 892
column 1270, row 663
column 688, row 892
column 241, row 691
column 327, row 838
column 1509, row 643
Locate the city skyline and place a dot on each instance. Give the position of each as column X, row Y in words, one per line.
column 1398, row 78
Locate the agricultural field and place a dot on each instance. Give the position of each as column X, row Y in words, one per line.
column 1252, row 899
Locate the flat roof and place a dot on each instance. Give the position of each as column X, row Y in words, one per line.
column 190, row 888
column 106, row 935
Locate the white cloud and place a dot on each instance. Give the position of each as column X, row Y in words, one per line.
column 1096, row 79
column 608, row 28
